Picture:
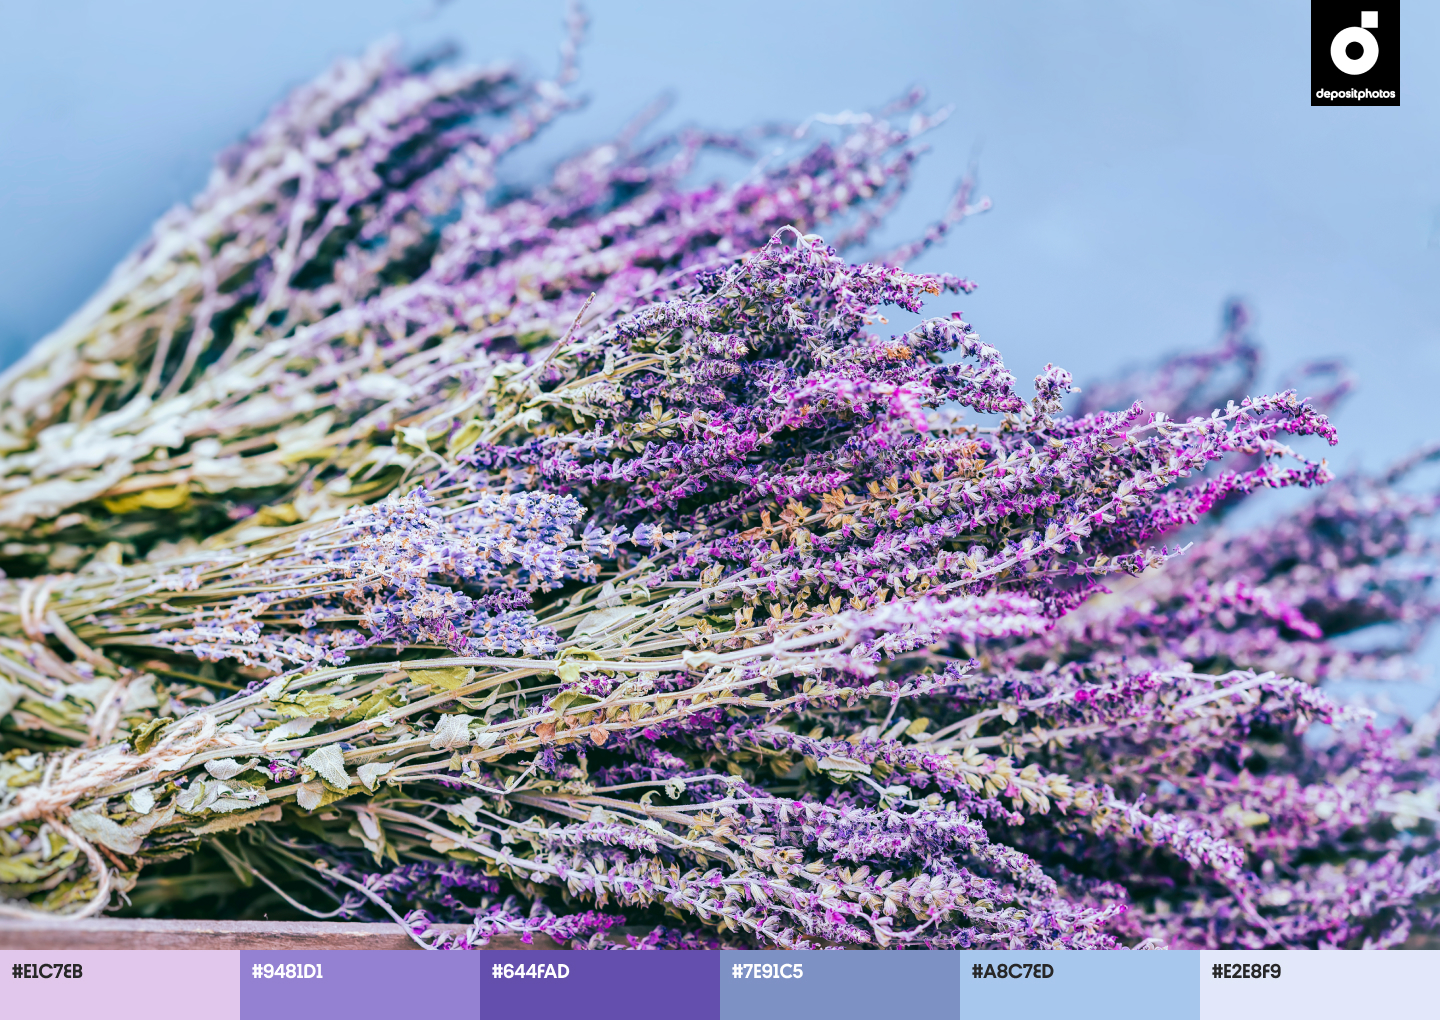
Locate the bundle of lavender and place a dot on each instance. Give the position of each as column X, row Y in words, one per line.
column 349, row 273
column 703, row 609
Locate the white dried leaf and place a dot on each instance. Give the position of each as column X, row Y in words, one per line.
column 225, row 473
column 9, row 695
column 467, row 809
column 329, row 761
column 167, row 432
column 307, row 438
column 378, row 386
column 369, row 824
column 141, row 801
column 140, row 695
column 370, row 774
column 293, row 728
column 229, row 768
column 95, row 826
column 172, row 762
column 602, row 620
column 699, row 662
column 47, row 499
column 191, row 798
column 831, row 764
column 309, row 795
column 223, row 804
column 486, row 738
column 91, row 691
column 451, row 731
column 126, row 839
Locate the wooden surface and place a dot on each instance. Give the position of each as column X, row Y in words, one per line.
column 123, row 933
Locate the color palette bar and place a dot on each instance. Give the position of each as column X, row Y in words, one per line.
column 137, row 985
column 539, row 984
column 1080, row 986
column 306, row 984
column 556, row 985
column 838, row 985
column 1264, row 986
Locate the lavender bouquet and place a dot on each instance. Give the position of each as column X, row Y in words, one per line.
column 578, row 560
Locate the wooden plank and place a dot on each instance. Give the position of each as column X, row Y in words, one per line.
column 140, row 933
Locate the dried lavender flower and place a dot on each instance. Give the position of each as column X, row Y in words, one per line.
column 701, row 605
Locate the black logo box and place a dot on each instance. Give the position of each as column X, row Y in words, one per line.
column 1377, row 19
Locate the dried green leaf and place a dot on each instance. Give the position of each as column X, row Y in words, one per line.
column 169, row 497
column 471, row 431
column 143, row 738
column 447, row 678
column 307, row 704
column 374, row 704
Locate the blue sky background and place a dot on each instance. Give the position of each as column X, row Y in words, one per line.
column 1147, row 160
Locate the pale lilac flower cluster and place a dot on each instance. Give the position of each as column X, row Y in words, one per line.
column 408, row 573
